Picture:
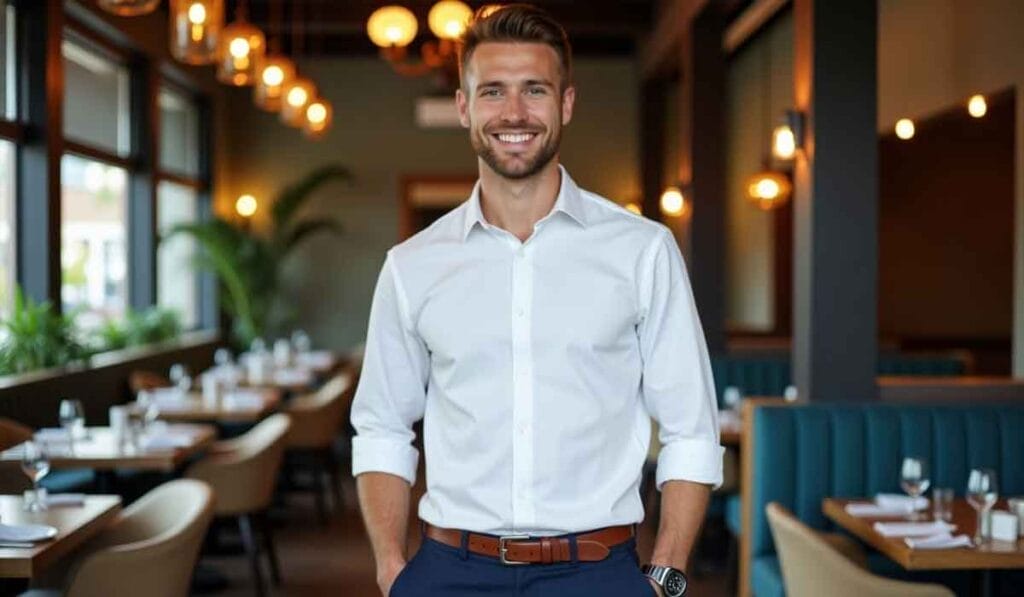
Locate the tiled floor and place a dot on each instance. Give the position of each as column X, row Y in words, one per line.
column 336, row 560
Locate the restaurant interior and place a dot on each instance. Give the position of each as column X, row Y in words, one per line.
column 197, row 197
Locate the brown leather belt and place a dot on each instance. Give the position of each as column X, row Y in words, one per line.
column 521, row 549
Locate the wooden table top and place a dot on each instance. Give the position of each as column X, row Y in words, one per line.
column 991, row 554
column 194, row 409
column 100, row 451
column 75, row 525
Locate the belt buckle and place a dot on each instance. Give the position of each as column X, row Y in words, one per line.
column 503, row 549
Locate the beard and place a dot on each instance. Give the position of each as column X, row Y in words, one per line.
column 518, row 167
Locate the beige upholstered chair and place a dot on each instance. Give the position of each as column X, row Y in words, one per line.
column 13, row 433
column 242, row 472
column 150, row 549
column 316, row 420
column 813, row 566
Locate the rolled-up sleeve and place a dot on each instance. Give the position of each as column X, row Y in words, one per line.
column 677, row 386
column 392, row 386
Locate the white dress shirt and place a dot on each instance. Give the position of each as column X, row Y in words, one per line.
column 536, row 367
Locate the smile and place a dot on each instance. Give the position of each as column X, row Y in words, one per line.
column 515, row 138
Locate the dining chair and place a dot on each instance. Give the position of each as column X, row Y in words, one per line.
column 813, row 565
column 316, row 420
column 150, row 549
column 243, row 472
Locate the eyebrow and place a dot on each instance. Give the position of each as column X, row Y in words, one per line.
column 528, row 82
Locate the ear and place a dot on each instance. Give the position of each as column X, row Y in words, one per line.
column 462, row 103
column 568, row 101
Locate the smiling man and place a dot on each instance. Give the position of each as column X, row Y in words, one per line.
column 535, row 330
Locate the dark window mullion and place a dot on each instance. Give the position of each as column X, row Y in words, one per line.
column 143, row 127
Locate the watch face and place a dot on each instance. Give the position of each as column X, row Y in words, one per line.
column 675, row 584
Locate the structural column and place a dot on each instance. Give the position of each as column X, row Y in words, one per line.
column 702, row 166
column 835, row 339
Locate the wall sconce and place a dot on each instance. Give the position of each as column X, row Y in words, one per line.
column 905, row 129
column 788, row 136
column 673, row 202
column 977, row 106
column 769, row 190
column 246, row 206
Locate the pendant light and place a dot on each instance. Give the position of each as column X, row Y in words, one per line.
column 240, row 50
column 129, row 8
column 319, row 117
column 195, row 30
column 276, row 71
column 300, row 91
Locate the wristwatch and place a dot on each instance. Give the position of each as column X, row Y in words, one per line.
column 671, row 581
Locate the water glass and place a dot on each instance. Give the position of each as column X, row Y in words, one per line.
column 731, row 397
column 301, row 342
column 915, row 481
column 149, row 407
column 790, row 394
column 180, row 377
column 35, row 463
column 222, row 357
column 258, row 346
column 942, row 503
column 71, row 414
column 982, row 493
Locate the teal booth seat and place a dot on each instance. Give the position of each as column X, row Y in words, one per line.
column 769, row 375
column 803, row 454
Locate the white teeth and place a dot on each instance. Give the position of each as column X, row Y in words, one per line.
column 515, row 138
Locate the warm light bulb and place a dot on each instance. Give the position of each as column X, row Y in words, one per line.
column 769, row 189
column 297, row 96
column 246, row 206
column 905, row 128
column 449, row 18
column 197, row 14
column 672, row 201
column 239, row 47
column 316, row 113
column 976, row 106
column 392, row 26
column 633, row 207
column 273, row 75
column 783, row 142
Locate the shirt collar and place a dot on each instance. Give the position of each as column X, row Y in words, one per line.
column 569, row 201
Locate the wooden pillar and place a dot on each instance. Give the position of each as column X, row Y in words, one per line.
column 653, row 111
column 702, row 166
column 835, row 340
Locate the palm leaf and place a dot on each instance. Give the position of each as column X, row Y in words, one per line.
column 307, row 228
column 295, row 195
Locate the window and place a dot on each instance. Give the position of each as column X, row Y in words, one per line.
column 177, row 284
column 7, row 219
column 94, row 232
column 96, row 99
column 7, row 63
column 179, row 133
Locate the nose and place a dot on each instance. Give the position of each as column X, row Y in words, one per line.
column 514, row 109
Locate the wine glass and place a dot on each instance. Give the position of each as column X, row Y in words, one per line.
column 35, row 463
column 222, row 357
column 982, row 493
column 180, row 377
column 731, row 397
column 301, row 342
column 150, row 409
column 914, row 481
column 71, row 414
column 258, row 346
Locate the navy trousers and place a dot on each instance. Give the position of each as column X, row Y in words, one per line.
column 438, row 570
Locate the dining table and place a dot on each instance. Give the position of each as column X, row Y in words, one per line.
column 75, row 524
column 988, row 555
column 242, row 405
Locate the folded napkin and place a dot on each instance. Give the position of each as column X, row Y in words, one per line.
column 52, row 435
column 913, row 529
column 896, row 501
column 65, row 499
column 939, row 541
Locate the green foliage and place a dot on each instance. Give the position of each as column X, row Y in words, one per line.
column 153, row 325
column 37, row 337
column 248, row 265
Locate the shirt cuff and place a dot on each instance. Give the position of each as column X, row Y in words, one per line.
column 380, row 455
column 696, row 460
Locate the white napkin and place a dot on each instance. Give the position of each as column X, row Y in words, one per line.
column 293, row 377
column 52, row 435
column 167, row 440
column 316, row 359
column 913, row 529
column 243, row 399
column 896, row 501
column 65, row 499
column 939, row 541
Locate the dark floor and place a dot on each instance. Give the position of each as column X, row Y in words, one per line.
column 336, row 560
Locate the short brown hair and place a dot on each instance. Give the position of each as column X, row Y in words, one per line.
column 517, row 23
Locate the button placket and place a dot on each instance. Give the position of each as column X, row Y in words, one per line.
column 522, row 390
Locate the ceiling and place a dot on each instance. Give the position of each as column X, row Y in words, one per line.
column 338, row 27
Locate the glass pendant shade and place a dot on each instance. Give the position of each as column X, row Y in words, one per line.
column 297, row 95
column 275, row 74
column 769, row 190
column 129, row 8
column 319, row 116
column 392, row 26
column 239, row 53
column 195, row 29
column 449, row 18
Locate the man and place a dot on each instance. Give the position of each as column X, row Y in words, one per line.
column 535, row 329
